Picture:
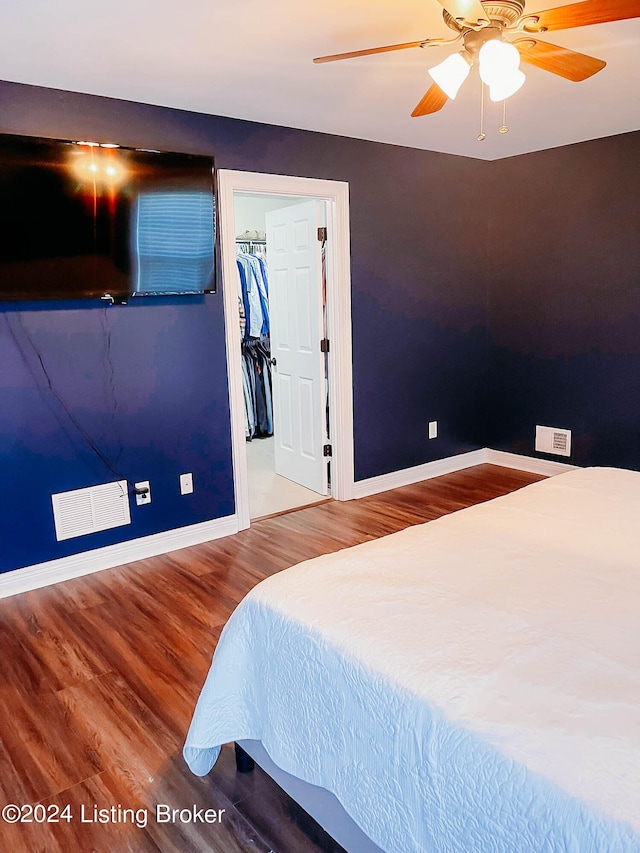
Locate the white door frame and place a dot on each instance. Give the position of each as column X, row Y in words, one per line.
column 338, row 265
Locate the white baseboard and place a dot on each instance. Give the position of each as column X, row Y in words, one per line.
column 527, row 463
column 65, row 568
column 408, row 476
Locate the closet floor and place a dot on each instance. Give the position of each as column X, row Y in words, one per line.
column 269, row 493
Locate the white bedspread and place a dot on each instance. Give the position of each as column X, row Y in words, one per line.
column 469, row 684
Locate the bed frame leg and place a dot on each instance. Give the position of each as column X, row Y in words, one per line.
column 244, row 762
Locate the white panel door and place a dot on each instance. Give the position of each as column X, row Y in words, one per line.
column 294, row 257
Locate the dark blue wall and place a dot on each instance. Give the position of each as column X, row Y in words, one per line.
column 145, row 384
column 155, row 401
column 565, row 300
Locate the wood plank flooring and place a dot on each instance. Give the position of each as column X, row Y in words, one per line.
column 99, row 677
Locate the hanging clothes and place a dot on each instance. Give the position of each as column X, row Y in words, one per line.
column 253, row 303
column 256, row 357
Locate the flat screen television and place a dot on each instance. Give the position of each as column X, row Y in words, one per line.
column 85, row 220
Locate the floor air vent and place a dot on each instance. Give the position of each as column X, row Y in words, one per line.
column 90, row 510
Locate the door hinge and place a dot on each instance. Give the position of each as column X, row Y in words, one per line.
column 322, row 234
column 324, row 345
column 326, row 450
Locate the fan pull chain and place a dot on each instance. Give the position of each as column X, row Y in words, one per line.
column 504, row 128
column 482, row 134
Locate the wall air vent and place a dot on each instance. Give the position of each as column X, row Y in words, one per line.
column 553, row 440
column 89, row 510
column 560, row 440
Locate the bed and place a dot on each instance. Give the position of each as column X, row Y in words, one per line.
column 469, row 684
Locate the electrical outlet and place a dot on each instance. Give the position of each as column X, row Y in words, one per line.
column 186, row 484
column 433, row 429
column 143, row 493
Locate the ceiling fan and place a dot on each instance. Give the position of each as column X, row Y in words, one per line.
column 481, row 23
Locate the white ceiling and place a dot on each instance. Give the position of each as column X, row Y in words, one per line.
column 252, row 60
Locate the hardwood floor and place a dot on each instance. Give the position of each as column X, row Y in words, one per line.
column 99, row 677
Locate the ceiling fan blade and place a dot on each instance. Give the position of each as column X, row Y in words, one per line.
column 466, row 11
column 581, row 15
column 388, row 47
column 433, row 100
column 558, row 60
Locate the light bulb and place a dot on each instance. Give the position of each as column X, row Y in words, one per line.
column 450, row 74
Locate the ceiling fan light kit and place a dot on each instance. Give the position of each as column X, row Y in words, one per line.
column 499, row 69
column 503, row 89
column 451, row 73
column 497, row 59
column 484, row 26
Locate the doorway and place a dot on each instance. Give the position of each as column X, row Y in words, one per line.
column 284, row 368
column 235, row 192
